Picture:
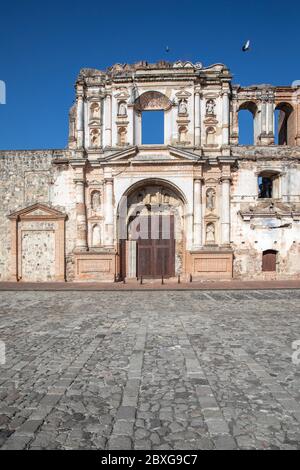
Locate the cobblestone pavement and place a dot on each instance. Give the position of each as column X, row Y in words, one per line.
column 150, row 370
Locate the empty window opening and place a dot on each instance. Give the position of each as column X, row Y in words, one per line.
column 269, row 260
column 268, row 185
column 283, row 124
column 247, row 122
column 152, row 127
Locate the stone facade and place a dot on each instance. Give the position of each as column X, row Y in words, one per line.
column 234, row 210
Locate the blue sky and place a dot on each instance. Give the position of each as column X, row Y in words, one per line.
column 43, row 45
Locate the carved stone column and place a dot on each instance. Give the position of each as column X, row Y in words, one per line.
column 225, row 118
column 197, row 213
column 80, row 121
column 81, row 221
column 225, row 210
column 109, row 213
column 235, row 123
column 197, row 120
column 270, row 114
column 263, row 124
column 137, row 128
column 108, row 121
column 298, row 124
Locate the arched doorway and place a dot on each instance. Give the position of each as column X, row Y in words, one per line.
column 151, row 230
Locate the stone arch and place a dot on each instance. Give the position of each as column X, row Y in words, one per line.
column 160, row 202
column 138, row 185
column 152, row 101
column 252, row 108
column 285, row 124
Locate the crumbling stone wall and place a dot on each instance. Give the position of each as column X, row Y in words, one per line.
column 28, row 177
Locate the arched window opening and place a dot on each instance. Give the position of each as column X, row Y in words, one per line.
column 248, row 123
column 152, row 127
column 268, row 185
column 283, row 124
column 269, row 260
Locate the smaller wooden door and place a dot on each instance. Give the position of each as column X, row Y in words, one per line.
column 269, row 260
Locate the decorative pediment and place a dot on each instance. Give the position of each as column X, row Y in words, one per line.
column 183, row 94
column 135, row 154
column 211, row 217
column 211, row 180
column 122, row 95
column 37, row 212
column 270, row 210
column 121, row 155
column 183, row 154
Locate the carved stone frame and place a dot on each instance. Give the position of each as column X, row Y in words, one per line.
column 29, row 214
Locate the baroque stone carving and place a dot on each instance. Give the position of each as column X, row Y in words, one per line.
column 122, row 110
column 95, row 138
column 210, row 198
column 210, row 233
column 94, row 111
column 210, row 107
column 96, row 201
column 96, row 235
column 182, row 108
column 152, row 100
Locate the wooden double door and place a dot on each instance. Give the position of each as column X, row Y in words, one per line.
column 156, row 246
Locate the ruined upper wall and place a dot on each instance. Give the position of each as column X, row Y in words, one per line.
column 200, row 106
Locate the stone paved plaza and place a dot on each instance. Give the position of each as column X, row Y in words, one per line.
column 150, row 370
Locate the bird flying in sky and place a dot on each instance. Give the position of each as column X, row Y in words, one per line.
column 246, row 46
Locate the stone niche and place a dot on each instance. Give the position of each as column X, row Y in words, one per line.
column 37, row 244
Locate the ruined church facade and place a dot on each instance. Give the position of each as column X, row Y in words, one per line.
column 109, row 207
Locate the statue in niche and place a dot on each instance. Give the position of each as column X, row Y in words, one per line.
column 210, row 198
column 96, row 201
column 122, row 135
column 122, row 109
column 210, row 233
column 210, row 136
column 210, row 107
column 182, row 134
column 94, row 110
column 96, row 235
column 95, row 138
column 182, row 107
